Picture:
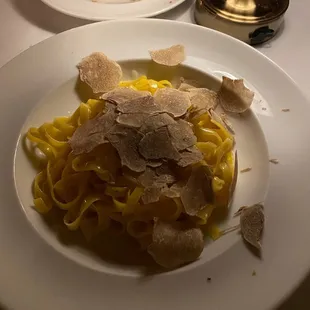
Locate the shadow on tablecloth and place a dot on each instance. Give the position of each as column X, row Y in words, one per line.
column 299, row 300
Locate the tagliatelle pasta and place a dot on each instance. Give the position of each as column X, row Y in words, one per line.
column 143, row 83
column 94, row 192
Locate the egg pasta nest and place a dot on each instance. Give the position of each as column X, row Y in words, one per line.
column 146, row 158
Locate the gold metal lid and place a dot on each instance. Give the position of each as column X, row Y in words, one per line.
column 246, row 11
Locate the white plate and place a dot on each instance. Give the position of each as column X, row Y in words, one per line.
column 112, row 9
column 39, row 84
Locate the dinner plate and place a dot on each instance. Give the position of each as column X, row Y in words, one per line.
column 99, row 10
column 41, row 270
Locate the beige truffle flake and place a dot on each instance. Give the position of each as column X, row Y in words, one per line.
column 172, row 101
column 203, row 98
column 252, row 224
column 145, row 104
column 197, row 192
column 126, row 140
column 175, row 190
column 157, row 145
column 155, row 181
column 190, row 156
column 175, row 243
column 92, row 133
column 152, row 194
column 151, row 178
column 123, row 94
column 184, row 86
column 182, row 135
column 99, row 72
column 171, row 56
column 156, row 121
column 234, row 97
column 135, row 120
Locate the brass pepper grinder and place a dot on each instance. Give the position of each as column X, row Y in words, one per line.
column 252, row 21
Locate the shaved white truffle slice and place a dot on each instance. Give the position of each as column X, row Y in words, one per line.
column 185, row 87
column 197, row 192
column 156, row 121
column 126, row 140
column 157, row 145
column 154, row 182
column 156, row 178
column 164, row 169
column 175, row 243
column 171, row 56
column 203, row 98
column 152, row 194
column 172, row 101
column 148, row 178
column 190, row 157
column 252, row 224
column 234, row 97
column 123, row 94
column 99, row 72
column 174, row 191
column 92, row 133
column 165, row 174
column 145, row 104
column 154, row 163
column 135, row 120
column 182, row 135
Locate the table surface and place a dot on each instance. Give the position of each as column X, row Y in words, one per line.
column 27, row 22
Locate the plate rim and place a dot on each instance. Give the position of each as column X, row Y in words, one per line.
column 172, row 5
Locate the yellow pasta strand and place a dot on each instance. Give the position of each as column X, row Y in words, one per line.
column 222, row 150
column 223, row 133
column 74, row 223
column 42, row 201
column 90, row 227
column 214, row 232
column 217, row 184
column 208, row 150
column 79, row 179
column 116, row 191
column 34, row 136
column 63, row 125
column 204, row 214
column 145, row 84
column 208, row 135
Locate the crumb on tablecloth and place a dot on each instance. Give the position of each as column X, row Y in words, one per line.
column 245, row 170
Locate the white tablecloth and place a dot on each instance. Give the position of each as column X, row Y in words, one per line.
column 24, row 23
